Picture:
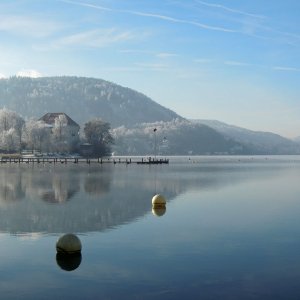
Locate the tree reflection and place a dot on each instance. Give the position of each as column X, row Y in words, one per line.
column 64, row 187
column 97, row 185
column 52, row 185
column 10, row 186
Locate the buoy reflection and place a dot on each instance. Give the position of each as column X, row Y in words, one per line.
column 159, row 211
column 68, row 262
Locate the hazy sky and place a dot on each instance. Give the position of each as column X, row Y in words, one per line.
column 236, row 61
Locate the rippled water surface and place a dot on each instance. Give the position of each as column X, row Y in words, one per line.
column 231, row 229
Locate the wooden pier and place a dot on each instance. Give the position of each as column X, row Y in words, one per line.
column 150, row 161
column 81, row 160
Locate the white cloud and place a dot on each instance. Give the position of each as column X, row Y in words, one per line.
column 87, row 5
column 156, row 16
column 236, row 63
column 2, row 76
column 251, row 22
column 27, row 26
column 147, row 52
column 96, row 38
column 165, row 55
column 135, row 51
column 175, row 20
column 152, row 66
column 229, row 9
column 29, row 73
column 289, row 69
column 203, row 60
column 213, row 28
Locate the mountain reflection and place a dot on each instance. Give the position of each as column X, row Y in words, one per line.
column 81, row 198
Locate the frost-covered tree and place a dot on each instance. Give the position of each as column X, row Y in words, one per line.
column 37, row 135
column 97, row 133
column 11, row 130
column 9, row 140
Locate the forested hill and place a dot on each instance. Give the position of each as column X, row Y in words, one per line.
column 81, row 98
column 133, row 116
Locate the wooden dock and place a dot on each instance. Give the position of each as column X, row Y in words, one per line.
column 153, row 161
column 81, row 160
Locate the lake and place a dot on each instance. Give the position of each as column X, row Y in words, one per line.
column 231, row 229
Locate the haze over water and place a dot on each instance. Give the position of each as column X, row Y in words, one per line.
column 230, row 230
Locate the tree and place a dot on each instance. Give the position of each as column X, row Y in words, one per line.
column 37, row 135
column 9, row 140
column 97, row 133
column 11, row 130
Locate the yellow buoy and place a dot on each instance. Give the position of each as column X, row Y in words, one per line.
column 158, row 201
column 68, row 244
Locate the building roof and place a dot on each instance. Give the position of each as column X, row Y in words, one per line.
column 49, row 118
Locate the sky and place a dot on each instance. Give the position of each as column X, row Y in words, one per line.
column 235, row 61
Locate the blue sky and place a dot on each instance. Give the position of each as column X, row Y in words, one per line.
column 233, row 61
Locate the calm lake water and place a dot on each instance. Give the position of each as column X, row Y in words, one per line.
column 231, row 230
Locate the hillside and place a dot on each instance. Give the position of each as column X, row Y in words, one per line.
column 82, row 99
column 262, row 142
column 177, row 137
column 297, row 139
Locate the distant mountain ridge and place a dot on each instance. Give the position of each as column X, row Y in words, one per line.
column 82, row 98
column 297, row 139
column 262, row 142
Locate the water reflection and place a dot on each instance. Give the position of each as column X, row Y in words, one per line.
column 68, row 262
column 159, row 212
column 59, row 199
column 11, row 186
column 96, row 183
